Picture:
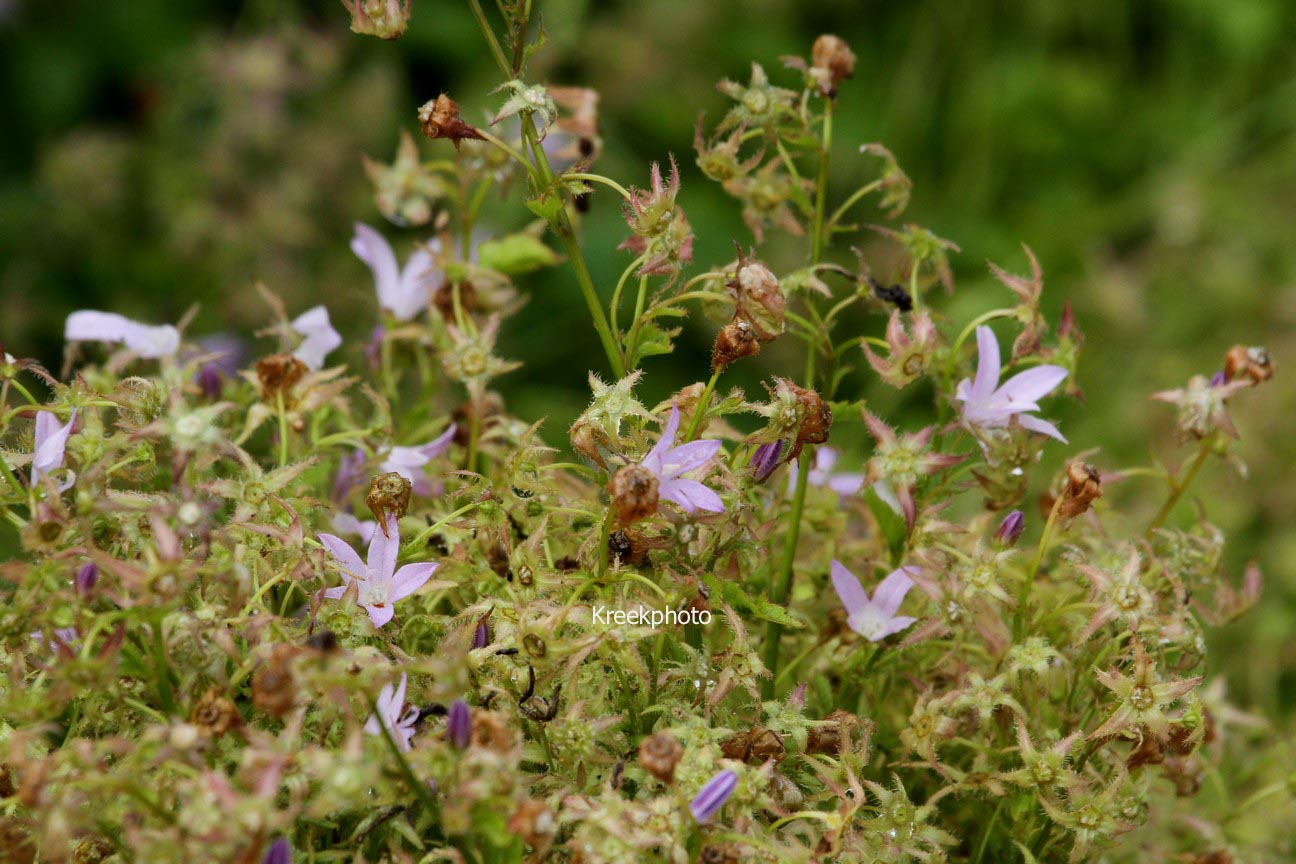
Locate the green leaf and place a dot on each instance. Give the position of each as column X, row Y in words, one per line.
column 652, row 340
column 516, row 254
column 758, row 607
column 891, row 523
column 546, row 205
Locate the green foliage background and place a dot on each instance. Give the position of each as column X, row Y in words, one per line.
column 160, row 154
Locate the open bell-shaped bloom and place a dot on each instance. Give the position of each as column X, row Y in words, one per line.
column 320, row 337
column 409, row 461
column 874, row 618
column 988, row 404
column 402, row 292
column 379, row 583
column 399, row 723
column 50, row 442
column 667, row 462
column 147, row 341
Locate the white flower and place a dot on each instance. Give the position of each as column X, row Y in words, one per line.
column 404, row 293
column 989, row 405
column 320, row 339
column 147, row 341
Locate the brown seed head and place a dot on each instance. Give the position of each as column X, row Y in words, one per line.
column 388, row 494
column 214, row 715
column 720, row 853
column 659, row 754
column 1083, row 486
column 1253, row 364
column 274, row 689
column 827, row 739
column 278, row 373
column 832, row 61
column 490, row 731
column 816, row 420
column 628, row 545
column 736, row 340
column 440, row 119
column 634, row 492
column 533, row 821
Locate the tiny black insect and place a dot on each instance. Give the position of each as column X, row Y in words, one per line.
column 894, row 294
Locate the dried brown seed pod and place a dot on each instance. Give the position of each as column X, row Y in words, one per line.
column 720, row 853
column 439, row 118
column 533, row 821
column 490, row 730
column 827, row 738
column 628, row 545
column 214, row 715
column 736, row 340
column 389, row 494
column 274, row 690
column 833, row 60
column 659, row 754
column 816, row 419
column 634, row 490
column 278, row 374
column 1083, row 487
column 1253, row 364
column 443, row 299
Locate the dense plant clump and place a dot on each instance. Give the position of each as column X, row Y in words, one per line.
column 285, row 607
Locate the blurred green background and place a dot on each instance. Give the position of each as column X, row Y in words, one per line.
column 159, row 154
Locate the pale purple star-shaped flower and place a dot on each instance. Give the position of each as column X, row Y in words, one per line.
column 147, row 341
column 380, row 584
column 404, row 293
column 668, row 462
column 989, row 405
column 346, row 523
column 50, row 442
column 876, row 618
column 391, row 701
column 408, row 462
column 320, row 337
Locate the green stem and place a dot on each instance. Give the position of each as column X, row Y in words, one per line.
column 850, row 202
column 422, row 537
column 1178, row 487
column 1019, row 618
column 283, row 428
column 821, row 185
column 702, row 405
column 561, row 224
column 782, row 587
column 496, row 51
column 599, row 178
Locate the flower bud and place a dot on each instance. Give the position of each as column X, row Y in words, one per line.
column 1010, row 529
column 459, row 725
column 1083, row 486
column 439, row 118
column 1252, row 364
column 86, row 577
column 766, row 459
column 659, row 754
column 210, row 381
column 713, row 796
column 736, row 340
column 760, row 301
column 634, row 491
column 831, row 62
column 386, row 19
column 481, row 635
column 280, row 852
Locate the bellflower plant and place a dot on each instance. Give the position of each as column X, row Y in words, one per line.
column 192, row 657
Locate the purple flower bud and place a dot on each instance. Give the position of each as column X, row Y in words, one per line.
column 713, row 796
column 280, row 852
column 459, row 724
column 481, row 636
column 85, row 580
column 1010, row 529
column 210, row 381
column 797, row 698
column 373, row 348
column 766, row 459
column 1218, row 378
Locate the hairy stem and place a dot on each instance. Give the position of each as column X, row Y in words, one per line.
column 1178, row 487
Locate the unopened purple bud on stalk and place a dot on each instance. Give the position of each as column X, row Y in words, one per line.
column 713, row 796
column 280, row 852
column 481, row 636
column 1010, row 529
column 459, row 724
column 86, row 577
column 765, row 460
